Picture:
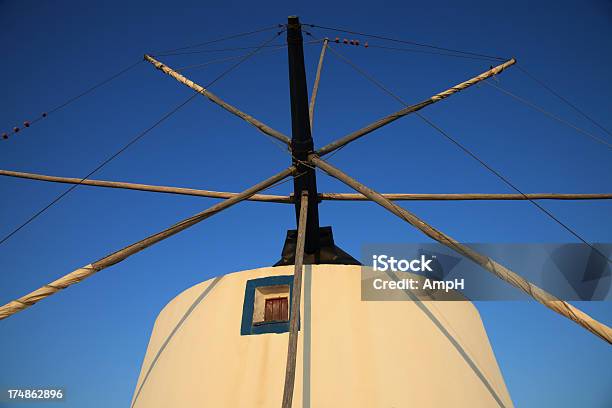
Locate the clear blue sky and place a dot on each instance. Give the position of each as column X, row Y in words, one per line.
column 92, row 338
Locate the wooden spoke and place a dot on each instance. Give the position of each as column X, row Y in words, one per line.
column 468, row 196
column 146, row 187
column 563, row 308
column 214, row 98
column 413, row 108
column 124, row 253
column 315, row 87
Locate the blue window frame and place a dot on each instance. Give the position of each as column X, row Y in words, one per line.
column 248, row 327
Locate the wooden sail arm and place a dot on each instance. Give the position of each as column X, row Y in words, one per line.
column 124, row 253
column 413, row 108
column 563, row 308
column 214, row 98
column 290, row 199
column 146, row 187
column 315, row 87
column 294, row 321
column 467, row 196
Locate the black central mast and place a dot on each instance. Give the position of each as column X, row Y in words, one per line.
column 301, row 141
column 319, row 247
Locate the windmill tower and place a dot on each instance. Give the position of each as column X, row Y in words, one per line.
column 223, row 343
column 297, row 333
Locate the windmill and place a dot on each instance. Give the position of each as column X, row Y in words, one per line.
column 274, row 294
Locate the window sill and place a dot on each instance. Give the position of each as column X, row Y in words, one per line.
column 270, row 322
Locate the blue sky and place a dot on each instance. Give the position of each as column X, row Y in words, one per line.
column 92, row 338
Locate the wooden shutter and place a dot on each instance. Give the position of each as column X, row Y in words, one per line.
column 277, row 309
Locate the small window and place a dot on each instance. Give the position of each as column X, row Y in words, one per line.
column 267, row 305
column 271, row 304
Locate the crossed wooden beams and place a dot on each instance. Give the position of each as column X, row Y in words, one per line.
column 550, row 301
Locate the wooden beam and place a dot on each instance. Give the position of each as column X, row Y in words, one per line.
column 146, row 187
column 214, row 98
column 295, row 304
column 552, row 302
column 467, row 196
column 413, row 108
column 315, row 87
column 124, row 253
column 290, row 199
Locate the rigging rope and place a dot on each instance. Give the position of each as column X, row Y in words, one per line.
column 229, row 49
column 370, row 45
column 406, row 42
column 551, row 115
column 104, row 163
column 511, row 185
column 27, row 123
column 131, row 142
column 213, row 50
column 219, row 60
column 473, row 155
column 43, row 115
column 229, row 37
column 431, row 52
column 571, row 105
